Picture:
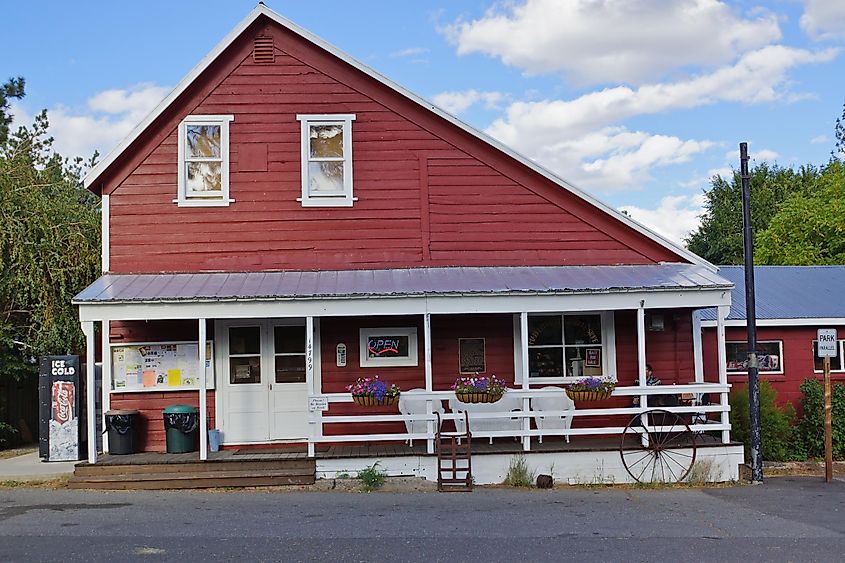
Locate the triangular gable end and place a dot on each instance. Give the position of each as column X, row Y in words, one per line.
column 147, row 127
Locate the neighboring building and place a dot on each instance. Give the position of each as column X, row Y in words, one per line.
column 793, row 302
column 291, row 206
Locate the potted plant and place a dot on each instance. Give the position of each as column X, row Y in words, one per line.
column 590, row 389
column 372, row 391
column 479, row 389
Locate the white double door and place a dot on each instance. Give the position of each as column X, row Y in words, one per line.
column 265, row 396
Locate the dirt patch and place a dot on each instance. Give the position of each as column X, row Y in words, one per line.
column 15, row 452
column 55, row 483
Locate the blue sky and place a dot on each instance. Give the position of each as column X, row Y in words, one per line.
column 636, row 101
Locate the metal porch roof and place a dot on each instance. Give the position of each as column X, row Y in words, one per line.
column 787, row 292
column 162, row 288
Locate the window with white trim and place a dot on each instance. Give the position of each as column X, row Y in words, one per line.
column 568, row 346
column 383, row 347
column 837, row 363
column 203, row 178
column 326, row 160
column 769, row 356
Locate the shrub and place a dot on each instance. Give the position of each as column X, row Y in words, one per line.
column 7, row 435
column 779, row 434
column 518, row 473
column 811, row 426
column 372, row 477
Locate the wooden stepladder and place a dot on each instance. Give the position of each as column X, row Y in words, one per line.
column 454, row 458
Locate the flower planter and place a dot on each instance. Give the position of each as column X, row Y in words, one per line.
column 370, row 401
column 478, row 397
column 588, row 395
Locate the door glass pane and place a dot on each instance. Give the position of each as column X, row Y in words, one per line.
column 327, row 141
column 244, row 340
column 245, row 370
column 289, row 339
column 544, row 329
column 290, row 369
column 545, row 362
column 582, row 329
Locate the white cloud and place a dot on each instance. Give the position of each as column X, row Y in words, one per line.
column 459, row 102
column 613, row 40
column 675, row 217
column 819, row 139
column 824, row 19
column 109, row 116
column 409, row 52
column 760, row 155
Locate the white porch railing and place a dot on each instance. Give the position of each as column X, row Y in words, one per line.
column 319, row 420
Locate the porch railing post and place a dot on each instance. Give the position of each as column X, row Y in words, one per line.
column 429, row 382
column 91, row 403
column 203, row 391
column 309, row 377
column 698, row 357
column 721, row 315
column 526, row 402
column 641, row 363
column 105, row 397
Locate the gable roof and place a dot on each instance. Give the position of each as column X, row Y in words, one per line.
column 786, row 292
column 261, row 10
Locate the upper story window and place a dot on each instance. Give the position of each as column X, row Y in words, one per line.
column 326, row 160
column 204, row 160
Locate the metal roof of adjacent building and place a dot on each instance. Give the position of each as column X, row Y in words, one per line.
column 158, row 288
column 787, row 292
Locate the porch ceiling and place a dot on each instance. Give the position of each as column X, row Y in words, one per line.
column 408, row 282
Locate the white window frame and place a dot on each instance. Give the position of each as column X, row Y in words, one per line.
column 781, row 369
column 833, row 368
column 608, row 346
column 204, row 199
column 344, row 199
column 411, row 360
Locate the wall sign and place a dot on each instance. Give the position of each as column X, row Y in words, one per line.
column 472, row 355
column 320, row 404
column 168, row 366
column 341, row 355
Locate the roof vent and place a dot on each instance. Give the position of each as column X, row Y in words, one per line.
column 263, row 51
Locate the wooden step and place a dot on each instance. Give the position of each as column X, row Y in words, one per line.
column 205, row 483
column 304, row 465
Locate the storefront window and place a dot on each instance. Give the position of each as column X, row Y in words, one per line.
column 561, row 346
column 837, row 363
column 769, row 356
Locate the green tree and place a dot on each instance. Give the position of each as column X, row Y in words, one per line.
column 718, row 238
column 838, row 152
column 14, row 88
column 49, row 249
column 808, row 229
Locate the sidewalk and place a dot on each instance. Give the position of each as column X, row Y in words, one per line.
column 29, row 467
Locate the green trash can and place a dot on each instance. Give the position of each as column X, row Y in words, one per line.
column 181, row 424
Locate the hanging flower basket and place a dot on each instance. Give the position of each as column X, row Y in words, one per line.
column 590, row 389
column 371, row 401
column 588, row 395
column 476, row 397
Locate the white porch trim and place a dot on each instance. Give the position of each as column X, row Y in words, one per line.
column 203, row 391
column 90, row 381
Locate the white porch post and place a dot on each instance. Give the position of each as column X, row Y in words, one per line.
column 721, row 314
column 309, row 374
column 526, row 402
column 105, row 398
column 203, row 393
column 429, row 380
column 698, row 358
column 91, row 392
column 641, row 359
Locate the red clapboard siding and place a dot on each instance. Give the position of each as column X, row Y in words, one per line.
column 478, row 207
column 151, row 432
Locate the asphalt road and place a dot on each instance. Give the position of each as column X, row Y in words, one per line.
column 786, row 519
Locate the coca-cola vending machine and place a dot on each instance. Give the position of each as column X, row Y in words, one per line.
column 59, row 392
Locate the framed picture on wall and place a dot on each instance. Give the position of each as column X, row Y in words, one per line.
column 471, row 355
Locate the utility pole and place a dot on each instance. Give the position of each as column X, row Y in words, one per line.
column 751, row 323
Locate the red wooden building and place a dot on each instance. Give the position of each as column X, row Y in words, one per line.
column 286, row 205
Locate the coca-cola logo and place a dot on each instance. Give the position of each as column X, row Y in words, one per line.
column 63, row 403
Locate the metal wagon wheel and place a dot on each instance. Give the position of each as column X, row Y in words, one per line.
column 669, row 451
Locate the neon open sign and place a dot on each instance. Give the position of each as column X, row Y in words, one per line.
column 384, row 346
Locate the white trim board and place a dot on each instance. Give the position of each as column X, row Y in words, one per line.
column 262, row 10
column 814, row 321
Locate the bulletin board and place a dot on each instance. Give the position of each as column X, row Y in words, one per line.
column 160, row 366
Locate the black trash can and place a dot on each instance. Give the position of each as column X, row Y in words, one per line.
column 181, row 426
column 122, row 426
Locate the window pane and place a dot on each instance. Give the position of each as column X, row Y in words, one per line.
column 290, row 369
column 819, row 362
column 290, row 339
column 202, row 141
column 544, row 329
column 582, row 329
column 327, row 141
column 545, row 362
column 583, row 361
column 326, row 177
column 768, row 356
column 245, row 340
column 245, row 370
column 388, row 346
column 203, row 177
